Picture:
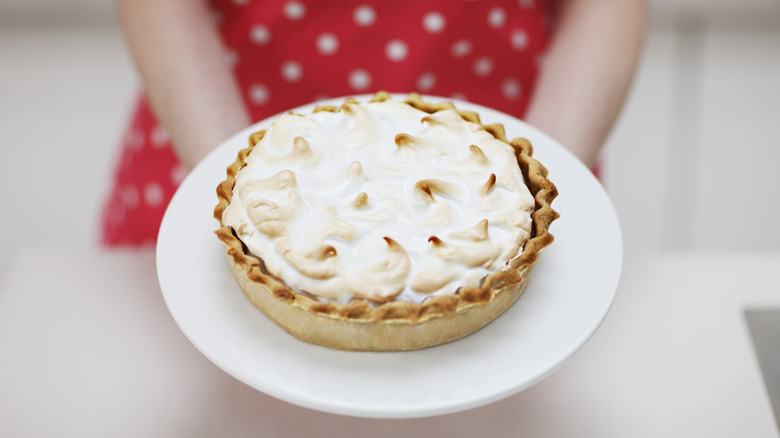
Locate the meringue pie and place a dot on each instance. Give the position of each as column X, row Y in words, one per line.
column 384, row 225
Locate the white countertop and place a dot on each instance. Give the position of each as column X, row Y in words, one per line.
column 88, row 348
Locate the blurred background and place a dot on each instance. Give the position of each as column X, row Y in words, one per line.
column 691, row 166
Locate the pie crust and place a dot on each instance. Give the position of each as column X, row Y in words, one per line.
column 393, row 326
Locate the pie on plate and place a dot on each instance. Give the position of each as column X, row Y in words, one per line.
column 384, row 225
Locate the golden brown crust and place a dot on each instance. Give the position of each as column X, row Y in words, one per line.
column 360, row 325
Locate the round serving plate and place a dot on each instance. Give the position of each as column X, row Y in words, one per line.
column 572, row 288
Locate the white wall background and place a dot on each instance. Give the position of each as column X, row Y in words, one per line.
column 691, row 166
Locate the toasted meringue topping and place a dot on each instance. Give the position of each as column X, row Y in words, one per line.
column 380, row 201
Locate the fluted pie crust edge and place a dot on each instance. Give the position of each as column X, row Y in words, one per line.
column 393, row 326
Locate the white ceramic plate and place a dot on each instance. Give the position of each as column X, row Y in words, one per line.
column 574, row 285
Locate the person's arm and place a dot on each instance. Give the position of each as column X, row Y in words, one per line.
column 586, row 73
column 185, row 73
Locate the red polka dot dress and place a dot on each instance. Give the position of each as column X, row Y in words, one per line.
column 292, row 52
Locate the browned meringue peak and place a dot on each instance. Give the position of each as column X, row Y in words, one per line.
column 432, row 120
column 354, row 170
column 309, row 263
column 285, row 179
column 477, row 155
column 334, row 228
column 375, row 210
column 403, row 140
column 488, row 186
column 435, row 241
column 271, row 229
column 279, row 140
column 361, row 200
column 363, row 124
column 451, row 118
column 470, row 253
column 323, row 252
column 408, row 142
column 385, row 280
column 429, row 187
column 451, row 259
column 405, row 159
column 302, row 152
column 477, row 233
column 435, row 275
column 264, row 210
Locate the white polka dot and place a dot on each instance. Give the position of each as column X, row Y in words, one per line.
column 260, row 34
column 483, row 66
column 294, row 10
column 129, row 197
column 396, row 50
column 259, row 94
column 426, row 82
column 526, row 3
column 327, row 43
column 153, row 194
column 178, row 173
column 461, row 48
column 511, row 89
column 364, row 16
column 292, row 71
column 159, row 137
column 434, row 22
column 359, row 79
column 496, row 18
column 519, row 39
